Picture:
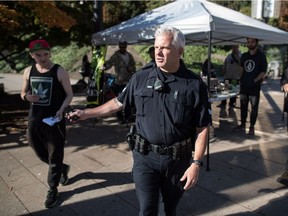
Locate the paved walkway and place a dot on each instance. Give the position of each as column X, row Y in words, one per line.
column 241, row 179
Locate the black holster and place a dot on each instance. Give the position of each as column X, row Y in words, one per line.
column 142, row 145
column 130, row 138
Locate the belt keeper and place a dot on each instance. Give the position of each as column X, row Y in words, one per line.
column 138, row 138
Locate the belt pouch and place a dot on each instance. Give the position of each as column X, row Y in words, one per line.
column 176, row 151
column 141, row 145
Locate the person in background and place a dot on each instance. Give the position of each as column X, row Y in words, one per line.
column 232, row 72
column 205, row 69
column 151, row 52
column 254, row 67
column 46, row 86
column 172, row 120
column 124, row 65
column 85, row 68
column 283, row 179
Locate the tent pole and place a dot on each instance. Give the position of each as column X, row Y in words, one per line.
column 208, row 85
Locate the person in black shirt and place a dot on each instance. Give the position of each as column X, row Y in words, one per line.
column 47, row 87
column 172, row 120
column 151, row 52
column 254, row 67
column 86, row 67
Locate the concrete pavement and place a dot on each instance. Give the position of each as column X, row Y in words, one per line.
column 241, row 179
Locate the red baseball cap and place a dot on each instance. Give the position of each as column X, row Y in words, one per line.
column 38, row 45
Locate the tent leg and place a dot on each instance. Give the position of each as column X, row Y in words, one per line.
column 208, row 85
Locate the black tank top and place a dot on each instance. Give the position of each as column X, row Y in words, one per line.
column 50, row 90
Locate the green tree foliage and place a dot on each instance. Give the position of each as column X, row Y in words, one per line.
column 150, row 5
column 58, row 22
column 120, row 11
column 241, row 6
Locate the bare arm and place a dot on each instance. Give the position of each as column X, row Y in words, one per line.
column 25, row 94
column 110, row 62
column 241, row 72
column 191, row 174
column 260, row 77
column 25, row 83
column 108, row 108
column 64, row 79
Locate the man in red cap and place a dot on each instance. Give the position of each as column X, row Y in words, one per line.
column 46, row 86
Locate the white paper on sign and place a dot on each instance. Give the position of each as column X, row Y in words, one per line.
column 50, row 121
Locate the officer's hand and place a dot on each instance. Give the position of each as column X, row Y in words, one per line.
column 76, row 115
column 191, row 176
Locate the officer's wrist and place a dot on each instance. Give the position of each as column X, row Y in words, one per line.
column 199, row 163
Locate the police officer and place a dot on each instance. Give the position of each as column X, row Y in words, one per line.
column 172, row 118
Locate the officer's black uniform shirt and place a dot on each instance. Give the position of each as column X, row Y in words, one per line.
column 172, row 114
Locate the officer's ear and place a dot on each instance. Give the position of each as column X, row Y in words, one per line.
column 180, row 51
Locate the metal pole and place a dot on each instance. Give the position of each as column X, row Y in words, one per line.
column 208, row 84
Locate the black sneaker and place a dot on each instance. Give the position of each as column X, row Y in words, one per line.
column 64, row 176
column 51, row 198
column 239, row 128
column 283, row 179
column 251, row 131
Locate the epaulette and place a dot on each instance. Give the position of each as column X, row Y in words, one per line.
column 143, row 70
column 149, row 65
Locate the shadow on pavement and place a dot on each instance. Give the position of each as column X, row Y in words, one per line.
column 237, row 176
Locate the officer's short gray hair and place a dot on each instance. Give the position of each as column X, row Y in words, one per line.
column 178, row 36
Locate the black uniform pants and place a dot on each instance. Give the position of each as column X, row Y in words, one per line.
column 245, row 98
column 156, row 174
column 48, row 144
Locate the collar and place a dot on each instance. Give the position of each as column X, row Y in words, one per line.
column 169, row 77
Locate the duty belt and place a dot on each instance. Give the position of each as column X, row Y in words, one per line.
column 176, row 150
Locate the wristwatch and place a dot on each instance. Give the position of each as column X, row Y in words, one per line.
column 198, row 162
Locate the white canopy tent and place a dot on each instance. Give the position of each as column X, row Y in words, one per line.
column 202, row 22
